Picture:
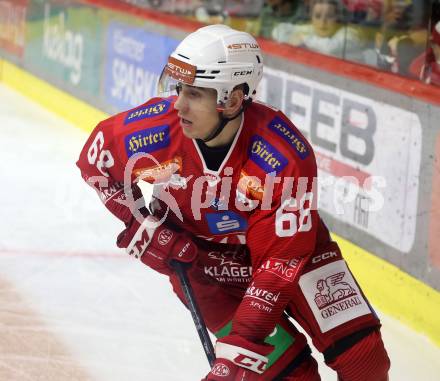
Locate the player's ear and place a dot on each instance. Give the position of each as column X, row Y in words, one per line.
column 234, row 102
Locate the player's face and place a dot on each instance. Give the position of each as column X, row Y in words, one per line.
column 197, row 111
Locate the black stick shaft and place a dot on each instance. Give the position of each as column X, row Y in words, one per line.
column 195, row 312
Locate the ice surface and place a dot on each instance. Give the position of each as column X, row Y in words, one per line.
column 72, row 306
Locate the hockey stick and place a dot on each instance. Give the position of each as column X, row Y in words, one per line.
column 195, row 312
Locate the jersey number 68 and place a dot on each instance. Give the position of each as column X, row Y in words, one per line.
column 287, row 222
column 105, row 158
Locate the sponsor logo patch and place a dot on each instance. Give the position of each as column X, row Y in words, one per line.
column 266, row 156
column 231, row 266
column 148, row 140
column 333, row 295
column 243, row 46
column 165, row 237
column 229, row 273
column 226, row 222
column 251, row 186
column 282, row 129
column 147, row 111
column 285, row 269
column 262, row 295
column 229, row 258
column 220, row 370
column 181, row 71
column 161, row 172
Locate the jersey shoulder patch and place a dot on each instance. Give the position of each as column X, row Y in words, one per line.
column 286, row 131
column 279, row 131
column 276, row 146
column 154, row 108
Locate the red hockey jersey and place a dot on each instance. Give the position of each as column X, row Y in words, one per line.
column 263, row 195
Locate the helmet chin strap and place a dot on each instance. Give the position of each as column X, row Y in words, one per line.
column 224, row 121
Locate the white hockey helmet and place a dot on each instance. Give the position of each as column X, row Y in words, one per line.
column 217, row 57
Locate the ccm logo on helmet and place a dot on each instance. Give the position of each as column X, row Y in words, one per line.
column 243, row 45
column 242, row 73
column 324, row 256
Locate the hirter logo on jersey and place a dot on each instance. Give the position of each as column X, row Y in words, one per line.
column 147, row 111
column 281, row 128
column 148, row 140
column 266, row 156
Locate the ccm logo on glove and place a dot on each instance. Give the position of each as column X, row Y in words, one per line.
column 257, row 365
column 238, row 359
column 243, row 357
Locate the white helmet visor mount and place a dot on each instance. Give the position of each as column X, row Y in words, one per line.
column 171, row 82
column 171, row 79
column 173, row 75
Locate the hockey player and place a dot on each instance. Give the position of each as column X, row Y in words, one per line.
column 235, row 198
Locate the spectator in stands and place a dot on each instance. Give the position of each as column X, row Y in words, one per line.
column 427, row 66
column 325, row 33
column 363, row 11
column 356, row 9
column 238, row 14
column 366, row 17
column 275, row 12
column 209, row 12
column 403, row 34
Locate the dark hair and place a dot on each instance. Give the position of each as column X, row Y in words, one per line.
column 244, row 87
